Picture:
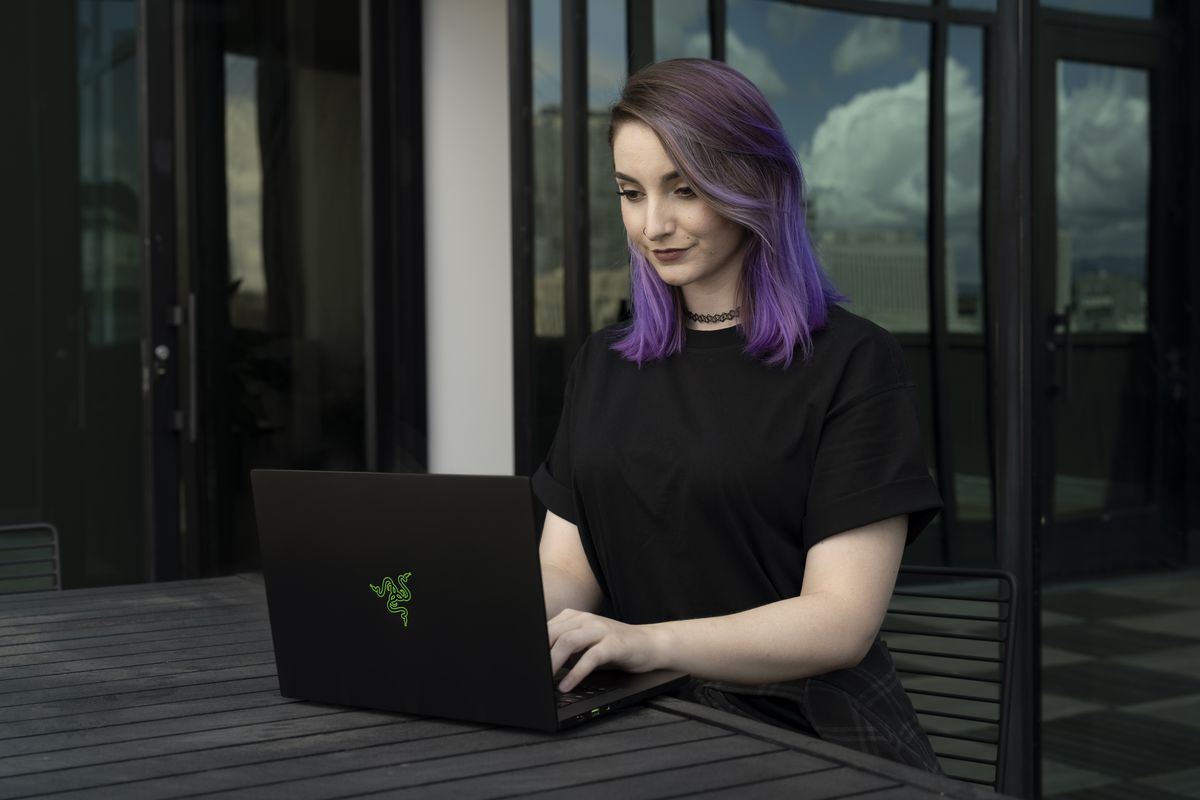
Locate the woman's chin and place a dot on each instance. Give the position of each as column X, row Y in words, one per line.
column 673, row 276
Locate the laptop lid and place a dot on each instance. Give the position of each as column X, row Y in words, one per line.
column 412, row 593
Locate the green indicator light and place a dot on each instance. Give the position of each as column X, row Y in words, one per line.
column 397, row 592
column 595, row 711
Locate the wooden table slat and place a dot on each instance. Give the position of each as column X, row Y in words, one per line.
column 825, row 785
column 265, row 668
column 580, row 771
column 469, row 774
column 317, row 722
column 65, row 663
column 179, row 636
column 139, row 734
column 686, row 781
column 166, row 626
column 65, row 606
column 288, row 755
column 140, row 698
column 235, row 583
column 118, row 717
column 196, row 663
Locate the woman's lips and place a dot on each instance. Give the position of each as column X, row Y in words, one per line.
column 669, row 254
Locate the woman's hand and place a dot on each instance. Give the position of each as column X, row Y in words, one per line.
column 602, row 641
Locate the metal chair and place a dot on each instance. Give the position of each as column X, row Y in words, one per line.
column 29, row 558
column 949, row 632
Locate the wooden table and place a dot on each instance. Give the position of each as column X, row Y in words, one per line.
column 169, row 690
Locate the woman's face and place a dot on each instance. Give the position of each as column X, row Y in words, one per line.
column 687, row 242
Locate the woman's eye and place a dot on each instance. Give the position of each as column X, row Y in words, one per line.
column 685, row 191
column 630, row 194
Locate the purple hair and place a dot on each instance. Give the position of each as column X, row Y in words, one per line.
column 723, row 137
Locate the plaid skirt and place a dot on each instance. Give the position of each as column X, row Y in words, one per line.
column 864, row 708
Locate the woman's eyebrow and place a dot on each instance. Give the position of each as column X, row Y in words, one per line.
column 670, row 176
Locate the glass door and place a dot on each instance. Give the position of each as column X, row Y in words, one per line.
column 1120, row 640
column 274, row 203
column 71, row 290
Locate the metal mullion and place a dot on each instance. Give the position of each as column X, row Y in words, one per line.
column 936, row 241
column 162, row 552
column 1011, row 335
column 718, row 24
column 369, row 75
column 393, row 265
column 577, row 315
column 520, row 106
column 1101, row 22
column 880, row 8
column 639, row 33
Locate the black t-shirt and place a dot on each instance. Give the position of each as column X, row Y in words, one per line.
column 699, row 482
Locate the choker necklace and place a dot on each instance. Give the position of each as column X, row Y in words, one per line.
column 728, row 316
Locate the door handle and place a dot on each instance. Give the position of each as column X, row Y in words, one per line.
column 193, row 425
column 1060, row 326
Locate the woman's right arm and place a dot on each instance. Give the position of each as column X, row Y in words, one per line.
column 567, row 579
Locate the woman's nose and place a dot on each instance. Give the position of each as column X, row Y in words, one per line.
column 659, row 220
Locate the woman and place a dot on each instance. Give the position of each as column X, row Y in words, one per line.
column 738, row 468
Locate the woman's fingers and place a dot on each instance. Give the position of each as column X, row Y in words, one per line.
column 574, row 632
column 588, row 662
column 567, row 645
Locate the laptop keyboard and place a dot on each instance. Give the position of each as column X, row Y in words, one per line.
column 579, row 693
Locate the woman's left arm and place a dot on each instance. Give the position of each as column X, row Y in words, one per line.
column 830, row 625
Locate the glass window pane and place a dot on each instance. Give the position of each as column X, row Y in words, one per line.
column 1103, row 159
column 681, row 29
column 105, row 546
column 289, row 379
column 1118, row 8
column 852, row 92
column 71, row 417
column 963, row 187
column 984, row 5
column 966, row 370
column 1103, row 176
column 548, row 304
column 608, row 253
column 547, row 169
column 1118, row 634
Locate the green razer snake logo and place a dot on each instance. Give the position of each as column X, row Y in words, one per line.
column 397, row 592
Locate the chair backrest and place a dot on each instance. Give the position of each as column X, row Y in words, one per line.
column 949, row 632
column 29, row 558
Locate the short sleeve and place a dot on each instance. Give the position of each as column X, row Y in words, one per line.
column 552, row 480
column 869, row 464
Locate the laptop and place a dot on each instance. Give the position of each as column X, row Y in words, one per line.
column 420, row 594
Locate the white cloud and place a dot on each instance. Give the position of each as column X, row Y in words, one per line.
column 1103, row 162
column 871, row 41
column 866, row 164
column 964, row 142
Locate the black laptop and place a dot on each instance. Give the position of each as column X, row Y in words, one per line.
column 420, row 594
